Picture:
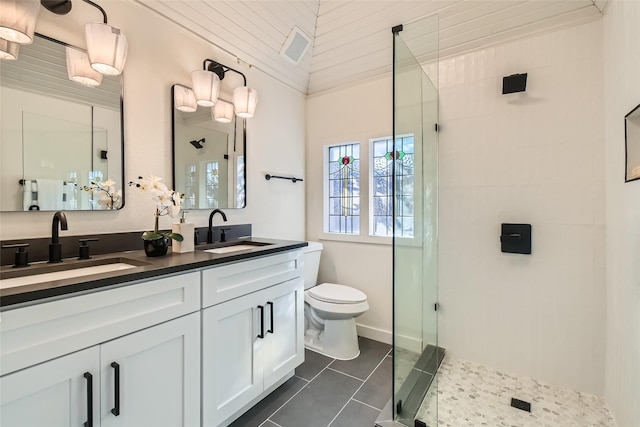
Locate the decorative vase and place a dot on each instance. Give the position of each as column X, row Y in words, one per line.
column 156, row 247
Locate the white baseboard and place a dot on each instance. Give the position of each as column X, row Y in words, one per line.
column 409, row 343
column 375, row 334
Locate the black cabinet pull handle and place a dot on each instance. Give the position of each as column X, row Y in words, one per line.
column 89, row 377
column 261, row 334
column 270, row 304
column 116, row 382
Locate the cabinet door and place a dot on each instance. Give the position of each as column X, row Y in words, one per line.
column 53, row 394
column 156, row 381
column 231, row 370
column 284, row 345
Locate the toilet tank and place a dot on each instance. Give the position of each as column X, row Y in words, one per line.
column 311, row 263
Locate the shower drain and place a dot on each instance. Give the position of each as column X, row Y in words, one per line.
column 520, row 404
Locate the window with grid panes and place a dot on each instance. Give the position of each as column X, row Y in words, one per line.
column 381, row 187
column 343, row 185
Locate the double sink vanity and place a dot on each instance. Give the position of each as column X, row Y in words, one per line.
column 192, row 339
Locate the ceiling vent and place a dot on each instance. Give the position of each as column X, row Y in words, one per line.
column 295, row 46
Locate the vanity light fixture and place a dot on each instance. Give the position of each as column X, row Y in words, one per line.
column 206, row 87
column 9, row 50
column 222, row 112
column 244, row 99
column 106, row 46
column 18, row 20
column 184, row 99
column 79, row 68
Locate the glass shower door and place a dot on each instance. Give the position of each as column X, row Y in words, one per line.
column 415, row 242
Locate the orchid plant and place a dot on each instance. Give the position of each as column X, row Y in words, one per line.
column 168, row 202
column 106, row 194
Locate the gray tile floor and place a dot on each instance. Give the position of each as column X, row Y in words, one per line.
column 327, row 392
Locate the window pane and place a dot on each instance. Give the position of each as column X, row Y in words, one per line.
column 383, row 183
column 344, row 188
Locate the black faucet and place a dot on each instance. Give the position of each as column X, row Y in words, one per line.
column 210, row 232
column 55, row 248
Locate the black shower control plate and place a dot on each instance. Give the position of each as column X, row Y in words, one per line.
column 515, row 238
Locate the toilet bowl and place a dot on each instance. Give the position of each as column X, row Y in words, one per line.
column 330, row 310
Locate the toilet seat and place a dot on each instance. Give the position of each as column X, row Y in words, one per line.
column 337, row 294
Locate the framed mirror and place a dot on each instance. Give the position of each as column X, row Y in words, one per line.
column 208, row 157
column 632, row 144
column 57, row 136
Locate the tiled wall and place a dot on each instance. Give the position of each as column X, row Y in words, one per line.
column 535, row 158
column 622, row 93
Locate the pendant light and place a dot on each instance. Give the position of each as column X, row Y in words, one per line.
column 206, row 86
column 245, row 100
column 222, row 112
column 107, row 48
column 9, row 50
column 79, row 68
column 18, row 20
column 184, row 99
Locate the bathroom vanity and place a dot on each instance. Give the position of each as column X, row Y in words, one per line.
column 183, row 340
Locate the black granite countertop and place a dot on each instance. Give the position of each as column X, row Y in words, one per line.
column 146, row 268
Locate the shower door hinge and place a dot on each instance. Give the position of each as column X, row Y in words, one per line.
column 436, row 306
column 437, row 128
column 396, row 29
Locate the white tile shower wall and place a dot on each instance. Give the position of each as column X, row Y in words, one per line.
column 161, row 54
column 622, row 93
column 534, row 157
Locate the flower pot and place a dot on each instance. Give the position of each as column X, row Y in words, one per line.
column 157, row 247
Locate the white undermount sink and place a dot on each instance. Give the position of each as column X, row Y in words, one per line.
column 227, row 249
column 74, row 270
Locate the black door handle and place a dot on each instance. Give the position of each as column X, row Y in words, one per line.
column 261, row 334
column 270, row 304
column 116, row 387
column 89, row 377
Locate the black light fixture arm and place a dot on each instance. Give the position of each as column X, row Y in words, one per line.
column 218, row 68
column 104, row 14
column 62, row 7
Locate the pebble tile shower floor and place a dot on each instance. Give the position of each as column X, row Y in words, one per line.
column 326, row 392
column 471, row 395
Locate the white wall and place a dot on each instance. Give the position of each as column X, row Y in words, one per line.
column 160, row 55
column 622, row 94
column 354, row 114
column 525, row 158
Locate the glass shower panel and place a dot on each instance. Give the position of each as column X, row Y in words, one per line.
column 416, row 351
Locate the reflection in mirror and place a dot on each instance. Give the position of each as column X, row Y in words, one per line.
column 57, row 136
column 208, row 158
column 632, row 143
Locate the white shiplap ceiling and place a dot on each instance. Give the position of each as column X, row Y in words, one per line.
column 352, row 40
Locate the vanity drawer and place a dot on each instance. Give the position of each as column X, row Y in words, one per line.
column 230, row 281
column 41, row 332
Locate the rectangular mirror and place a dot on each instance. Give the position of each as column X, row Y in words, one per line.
column 632, row 144
column 56, row 136
column 208, row 159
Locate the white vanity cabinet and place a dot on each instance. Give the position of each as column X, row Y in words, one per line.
column 148, row 378
column 144, row 330
column 58, row 393
column 252, row 342
column 189, row 349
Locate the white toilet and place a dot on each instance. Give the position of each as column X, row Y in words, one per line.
column 330, row 311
